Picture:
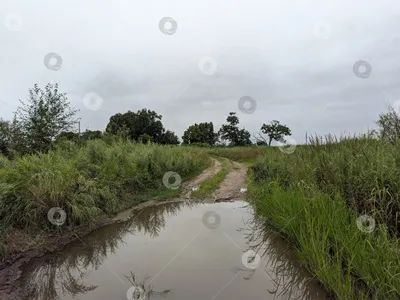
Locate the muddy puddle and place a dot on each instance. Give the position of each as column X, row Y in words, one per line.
column 174, row 251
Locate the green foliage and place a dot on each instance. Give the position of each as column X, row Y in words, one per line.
column 79, row 139
column 91, row 135
column 364, row 172
column 389, row 126
column 67, row 136
column 43, row 117
column 169, row 138
column 314, row 196
column 144, row 125
column 202, row 133
column 243, row 154
column 4, row 136
column 231, row 132
column 350, row 264
column 275, row 131
column 87, row 182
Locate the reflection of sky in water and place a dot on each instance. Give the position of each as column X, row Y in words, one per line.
column 177, row 252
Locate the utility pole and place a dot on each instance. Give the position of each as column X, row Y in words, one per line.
column 79, row 126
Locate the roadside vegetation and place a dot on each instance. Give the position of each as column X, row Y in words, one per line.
column 337, row 201
column 87, row 183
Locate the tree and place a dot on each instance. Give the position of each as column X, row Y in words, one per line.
column 136, row 126
column 200, row 133
column 145, row 125
column 68, row 136
column 44, row 116
column 274, row 131
column 231, row 132
column 91, row 135
column 169, row 138
column 4, row 137
column 389, row 126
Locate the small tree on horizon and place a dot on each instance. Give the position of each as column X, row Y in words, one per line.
column 142, row 126
column 44, row 115
column 232, row 133
column 200, row 133
column 274, row 131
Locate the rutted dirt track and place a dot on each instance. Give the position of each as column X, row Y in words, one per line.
column 229, row 190
column 210, row 172
column 234, row 181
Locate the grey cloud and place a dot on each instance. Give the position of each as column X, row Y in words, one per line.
column 265, row 50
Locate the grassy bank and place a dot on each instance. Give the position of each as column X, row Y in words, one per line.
column 315, row 198
column 88, row 183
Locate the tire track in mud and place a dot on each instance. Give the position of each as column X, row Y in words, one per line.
column 210, row 172
column 230, row 188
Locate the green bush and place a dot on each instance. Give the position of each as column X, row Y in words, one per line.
column 100, row 178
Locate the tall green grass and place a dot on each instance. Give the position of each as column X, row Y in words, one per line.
column 364, row 172
column 240, row 154
column 87, row 182
column 314, row 197
column 350, row 263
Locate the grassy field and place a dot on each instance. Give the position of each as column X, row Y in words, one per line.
column 240, row 154
column 337, row 203
column 87, row 183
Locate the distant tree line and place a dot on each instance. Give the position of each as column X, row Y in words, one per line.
column 47, row 118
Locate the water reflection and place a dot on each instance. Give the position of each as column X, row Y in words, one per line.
column 290, row 279
column 64, row 273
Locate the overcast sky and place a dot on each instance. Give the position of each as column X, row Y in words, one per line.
column 295, row 58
